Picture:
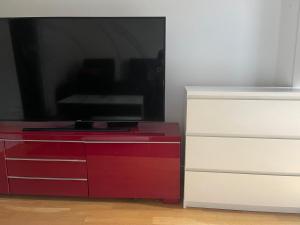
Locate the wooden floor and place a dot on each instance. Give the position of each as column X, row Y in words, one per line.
column 42, row 211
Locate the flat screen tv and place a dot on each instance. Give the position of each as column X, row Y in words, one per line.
column 92, row 69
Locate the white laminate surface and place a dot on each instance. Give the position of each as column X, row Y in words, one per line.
column 243, row 155
column 243, row 92
column 243, row 118
column 242, row 189
column 243, row 148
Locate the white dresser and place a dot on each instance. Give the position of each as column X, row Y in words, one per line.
column 243, row 149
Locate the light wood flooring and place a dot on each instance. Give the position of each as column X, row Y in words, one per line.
column 48, row 211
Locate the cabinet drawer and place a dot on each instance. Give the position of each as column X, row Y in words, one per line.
column 241, row 191
column 33, row 168
column 22, row 186
column 44, row 149
column 253, row 155
column 243, row 118
column 156, row 150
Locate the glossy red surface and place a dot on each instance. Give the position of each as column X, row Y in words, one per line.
column 3, row 177
column 141, row 163
column 146, row 131
column 46, row 169
column 48, row 187
column 44, row 150
column 134, row 170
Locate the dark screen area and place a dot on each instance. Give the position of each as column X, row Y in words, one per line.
column 110, row 69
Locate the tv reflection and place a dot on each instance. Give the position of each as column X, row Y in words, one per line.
column 97, row 86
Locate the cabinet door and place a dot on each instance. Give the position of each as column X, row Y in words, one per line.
column 134, row 170
column 3, row 176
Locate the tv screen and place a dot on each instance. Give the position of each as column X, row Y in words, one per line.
column 98, row 69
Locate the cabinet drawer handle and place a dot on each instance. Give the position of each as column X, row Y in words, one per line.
column 98, row 142
column 46, row 178
column 47, row 160
column 131, row 142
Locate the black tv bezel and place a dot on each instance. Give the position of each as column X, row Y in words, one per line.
column 164, row 18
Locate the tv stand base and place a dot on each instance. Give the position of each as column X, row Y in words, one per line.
column 122, row 124
column 170, row 201
column 88, row 126
column 83, row 125
column 141, row 163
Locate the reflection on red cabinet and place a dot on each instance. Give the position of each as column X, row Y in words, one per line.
column 48, row 187
column 134, row 170
column 3, row 177
column 44, row 149
column 143, row 162
column 45, row 167
column 55, row 169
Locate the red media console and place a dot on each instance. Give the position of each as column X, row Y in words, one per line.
column 141, row 163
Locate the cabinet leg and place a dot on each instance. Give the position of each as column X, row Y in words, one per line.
column 170, row 201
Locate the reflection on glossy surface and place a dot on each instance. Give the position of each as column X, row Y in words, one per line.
column 141, row 163
column 134, row 171
column 44, row 149
column 82, row 68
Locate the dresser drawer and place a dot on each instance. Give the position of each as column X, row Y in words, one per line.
column 243, row 118
column 44, row 168
column 54, row 187
column 250, row 155
column 44, row 149
column 241, row 191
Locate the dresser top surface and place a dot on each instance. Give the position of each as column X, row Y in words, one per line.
column 243, row 92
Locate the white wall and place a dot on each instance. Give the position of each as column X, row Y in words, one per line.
column 287, row 42
column 296, row 68
column 209, row 42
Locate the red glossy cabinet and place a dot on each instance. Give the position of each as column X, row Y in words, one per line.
column 141, row 163
column 48, row 187
column 134, row 170
column 43, row 167
column 50, row 168
column 45, row 149
column 3, row 176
